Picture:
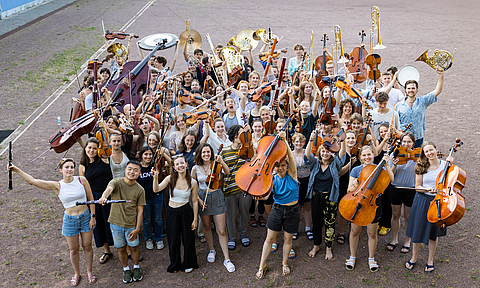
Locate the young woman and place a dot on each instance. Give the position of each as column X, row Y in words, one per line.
column 220, row 105
column 187, row 147
column 214, row 207
column 323, row 190
column 76, row 219
column 404, row 177
column 285, row 212
column 366, row 157
column 98, row 173
column 144, row 131
column 420, row 230
column 180, row 217
column 303, row 174
column 181, row 128
column 217, row 136
column 306, row 92
column 346, row 110
column 297, row 62
column 187, row 81
column 385, row 223
column 152, row 140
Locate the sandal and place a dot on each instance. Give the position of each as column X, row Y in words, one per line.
column 350, row 264
column 309, row 235
column 92, row 279
column 274, row 248
column 292, row 254
column 405, row 249
column 391, row 247
column 74, row 281
column 429, row 267
column 411, row 264
column 261, row 272
column 340, row 239
column 295, row 236
column 285, row 270
column 202, row 239
column 262, row 221
column 105, row 257
column 253, row 221
column 372, row 264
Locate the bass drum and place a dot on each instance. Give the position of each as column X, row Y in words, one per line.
column 150, row 42
column 406, row 73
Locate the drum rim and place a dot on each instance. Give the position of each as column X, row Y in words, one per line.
column 168, row 45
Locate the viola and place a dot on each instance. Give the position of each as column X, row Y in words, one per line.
column 357, row 61
column 317, row 142
column 235, row 75
column 192, row 117
column 448, row 206
column 372, row 61
column 362, row 136
column 345, row 85
column 209, row 87
column 359, row 206
column 124, row 126
column 160, row 163
column 320, row 63
column 186, row 97
column 256, row 177
column 333, row 141
column 256, row 94
column 104, row 149
column 214, row 178
column 264, row 56
column 109, row 35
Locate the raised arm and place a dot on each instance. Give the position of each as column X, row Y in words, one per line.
column 157, row 187
column 441, row 78
column 42, row 184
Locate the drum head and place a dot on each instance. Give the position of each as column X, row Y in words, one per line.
column 150, row 42
column 407, row 73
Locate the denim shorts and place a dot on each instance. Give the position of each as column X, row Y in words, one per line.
column 120, row 236
column 287, row 217
column 73, row 225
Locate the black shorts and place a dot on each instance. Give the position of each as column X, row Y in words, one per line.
column 379, row 212
column 302, row 190
column 400, row 196
column 269, row 200
column 287, row 217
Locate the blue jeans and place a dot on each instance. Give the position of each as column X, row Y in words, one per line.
column 153, row 206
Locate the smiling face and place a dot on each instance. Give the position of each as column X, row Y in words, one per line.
column 350, row 139
column 407, row 142
column 68, row 169
column 430, row 152
column 230, row 104
column 356, row 125
column 152, row 141
column 206, row 154
column 219, row 127
column 180, row 164
column 115, row 141
column 188, row 78
column 243, row 88
column 257, row 127
column 265, row 115
column 132, row 171
column 367, row 156
column 195, row 85
column 145, row 126
column 254, row 80
column 347, row 108
column 181, row 123
column 189, row 141
column 91, row 150
column 298, row 143
column 111, row 124
column 147, row 156
column 383, row 131
column 282, row 168
column 308, row 89
column 411, row 90
column 325, row 154
column 304, row 107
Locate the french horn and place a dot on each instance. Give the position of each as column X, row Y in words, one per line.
column 119, row 51
column 440, row 58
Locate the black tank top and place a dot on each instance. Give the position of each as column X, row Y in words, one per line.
column 98, row 176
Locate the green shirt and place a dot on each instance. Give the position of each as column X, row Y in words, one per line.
column 125, row 214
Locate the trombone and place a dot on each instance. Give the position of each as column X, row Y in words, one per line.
column 375, row 11
column 339, row 45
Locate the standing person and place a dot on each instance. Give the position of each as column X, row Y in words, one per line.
column 235, row 200
column 126, row 218
column 413, row 109
column 366, row 157
column 76, row 219
column 323, row 190
column 285, row 212
column 383, row 114
column 298, row 62
column 98, row 173
column 180, row 217
column 420, row 230
column 214, row 207
column 119, row 158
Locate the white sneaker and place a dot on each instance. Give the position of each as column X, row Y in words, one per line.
column 149, row 244
column 160, row 245
column 211, row 256
column 229, row 265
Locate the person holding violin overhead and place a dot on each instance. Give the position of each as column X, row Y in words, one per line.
column 413, row 109
column 285, row 213
column 77, row 220
column 404, row 177
column 211, row 201
column 420, row 229
column 366, row 158
column 323, row 190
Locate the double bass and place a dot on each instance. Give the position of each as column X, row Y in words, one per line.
column 448, row 206
column 357, row 61
column 321, row 63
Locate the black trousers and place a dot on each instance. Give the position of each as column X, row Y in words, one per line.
column 179, row 230
column 386, row 219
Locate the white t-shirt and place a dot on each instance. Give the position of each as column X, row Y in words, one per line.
column 378, row 119
column 394, row 95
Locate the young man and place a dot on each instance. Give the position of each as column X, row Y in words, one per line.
column 234, row 115
column 395, row 96
column 413, row 109
column 382, row 114
column 126, row 218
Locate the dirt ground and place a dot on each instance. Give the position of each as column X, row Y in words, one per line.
column 37, row 60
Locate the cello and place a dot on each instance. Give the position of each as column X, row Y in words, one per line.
column 321, row 63
column 357, row 58
column 359, row 206
column 448, row 206
column 256, row 178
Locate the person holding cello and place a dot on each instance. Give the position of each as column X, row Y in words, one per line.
column 285, row 212
column 420, row 230
column 366, row 157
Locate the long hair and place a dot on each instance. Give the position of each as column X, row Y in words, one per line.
column 85, row 161
column 422, row 163
column 182, row 147
column 174, row 175
column 142, row 151
column 301, row 92
column 343, row 103
column 319, row 156
column 198, row 154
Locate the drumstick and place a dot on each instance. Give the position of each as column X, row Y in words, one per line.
column 106, row 202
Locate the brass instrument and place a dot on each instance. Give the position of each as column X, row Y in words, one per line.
column 261, row 35
column 339, row 44
column 244, row 40
column 311, row 54
column 233, row 59
column 217, row 63
column 440, row 58
column 375, row 11
column 191, row 37
column 119, row 51
column 231, row 42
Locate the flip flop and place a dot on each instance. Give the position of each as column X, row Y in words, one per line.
column 429, row 267
column 105, row 257
column 92, row 279
column 405, row 249
column 292, row 254
column 341, row 239
column 274, row 248
column 391, row 247
column 286, row 270
column 412, row 265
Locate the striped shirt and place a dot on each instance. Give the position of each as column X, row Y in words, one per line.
column 230, row 156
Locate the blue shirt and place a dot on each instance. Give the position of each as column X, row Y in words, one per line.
column 404, row 174
column 285, row 190
column 416, row 114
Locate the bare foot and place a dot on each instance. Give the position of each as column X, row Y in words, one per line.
column 314, row 251
column 328, row 254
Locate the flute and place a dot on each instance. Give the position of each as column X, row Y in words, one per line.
column 106, row 202
column 10, row 172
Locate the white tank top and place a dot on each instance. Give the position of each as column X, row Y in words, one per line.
column 118, row 170
column 181, row 196
column 201, row 179
column 430, row 178
column 72, row 192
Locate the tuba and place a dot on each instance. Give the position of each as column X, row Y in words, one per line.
column 244, row 40
column 375, row 11
column 119, row 51
column 339, row 44
column 440, row 58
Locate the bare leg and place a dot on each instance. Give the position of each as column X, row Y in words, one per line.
column 406, row 214
column 123, row 256
column 396, row 213
column 135, row 255
column 372, row 239
column 268, row 209
column 106, row 248
column 267, row 245
column 73, row 246
column 206, row 220
column 354, row 234
column 314, row 251
column 307, row 214
column 432, row 246
column 328, row 253
column 222, row 236
column 287, row 246
column 342, row 223
column 415, row 250
column 87, row 250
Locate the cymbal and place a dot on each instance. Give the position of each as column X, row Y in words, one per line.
column 192, row 44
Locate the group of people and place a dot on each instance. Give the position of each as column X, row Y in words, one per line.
column 158, row 163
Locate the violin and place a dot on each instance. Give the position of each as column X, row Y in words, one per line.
column 298, row 119
column 320, row 63
column 109, row 35
column 334, row 139
column 404, row 155
column 104, row 148
column 317, row 142
column 396, row 136
column 357, row 61
column 327, row 110
column 186, row 97
column 270, row 125
column 192, row 117
column 256, row 177
column 209, row 87
column 214, row 178
column 264, row 56
column 160, row 163
column 359, row 206
column 372, row 61
column 448, row 206
column 246, row 150
column 256, row 94
column 235, row 75
column 362, row 136
column 124, row 126
column 345, row 85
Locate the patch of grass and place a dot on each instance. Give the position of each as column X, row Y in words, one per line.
column 310, row 277
column 8, row 262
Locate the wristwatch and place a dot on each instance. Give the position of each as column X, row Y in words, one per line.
column 93, row 215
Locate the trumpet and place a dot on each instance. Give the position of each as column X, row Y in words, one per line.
column 339, row 44
column 375, row 11
column 440, row 58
